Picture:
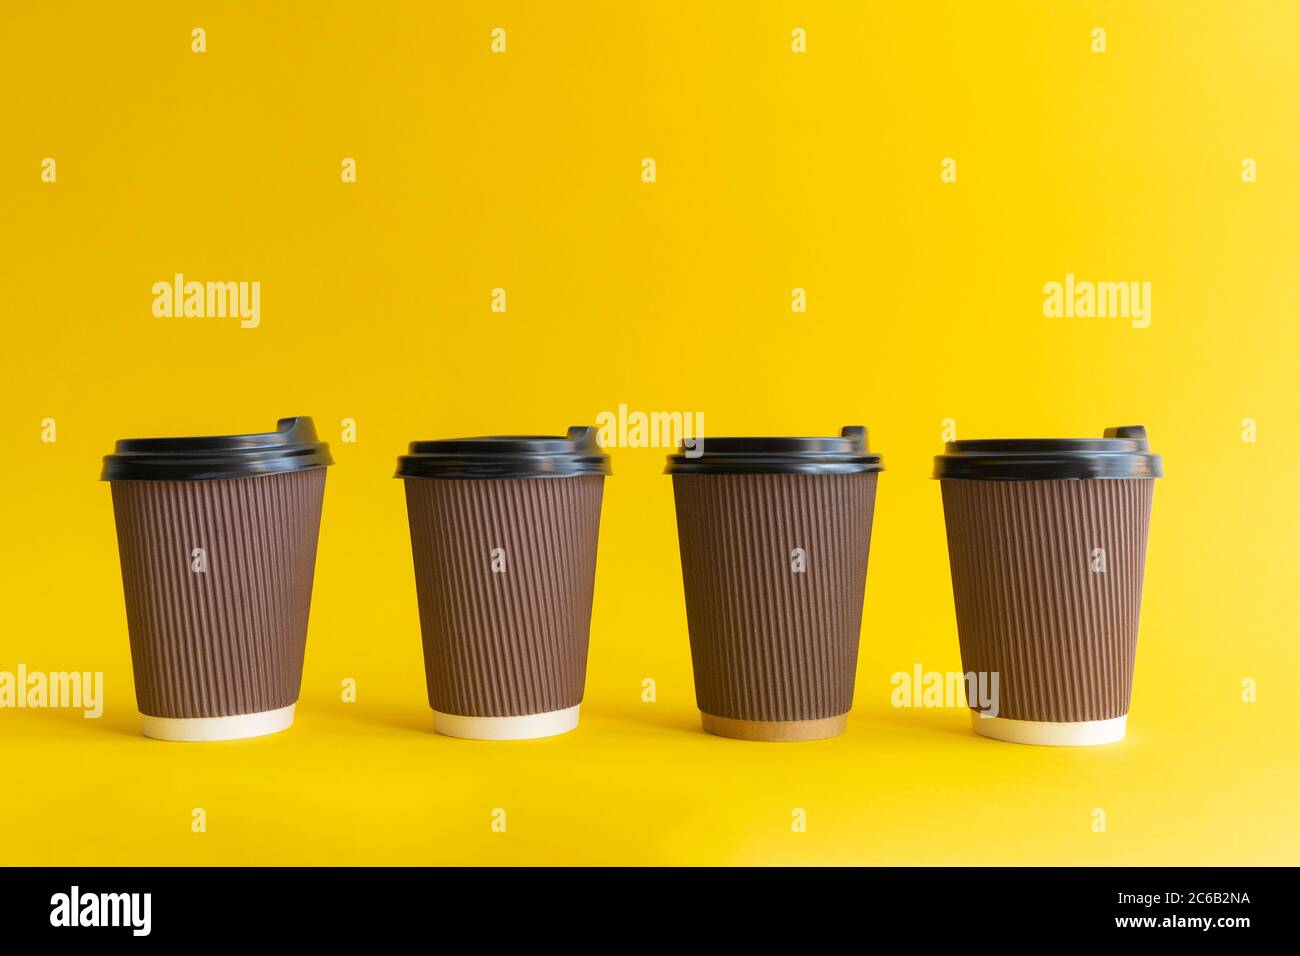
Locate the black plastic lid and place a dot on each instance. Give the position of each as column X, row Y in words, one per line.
column 845, row 455
column 507, row 456
column 291, row 447
column 1123, row 453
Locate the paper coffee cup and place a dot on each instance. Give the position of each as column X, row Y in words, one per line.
column 217, row 538
column 774, row 536
column 1047, row 545
column 503, row 536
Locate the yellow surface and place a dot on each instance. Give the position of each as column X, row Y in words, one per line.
column 775, row 170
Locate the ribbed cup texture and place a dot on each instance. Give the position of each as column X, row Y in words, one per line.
column 1061, row 636
column 230, row 639
column 512, row 642
column 769, row 642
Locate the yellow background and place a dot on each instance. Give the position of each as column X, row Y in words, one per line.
column 776, row 170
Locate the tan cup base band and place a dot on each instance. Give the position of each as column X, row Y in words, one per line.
column 235, row 727
column 1082, row 733
column 775, row 730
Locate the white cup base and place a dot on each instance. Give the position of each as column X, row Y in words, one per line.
column 523, row 727
column 1082, row 733
column 235, row 727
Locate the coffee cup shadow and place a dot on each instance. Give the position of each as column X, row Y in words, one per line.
column 63, row 722
column 363, row 720
column 652, row 718
column 924, row 721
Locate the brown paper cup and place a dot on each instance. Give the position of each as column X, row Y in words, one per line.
column 774, row 568
column 218, row 578
column 1047, row 582
column 504, row 572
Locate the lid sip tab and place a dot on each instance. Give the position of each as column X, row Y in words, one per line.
column 1123, row 452
column 293, row 446
column 848, row 454
column 507, row 456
